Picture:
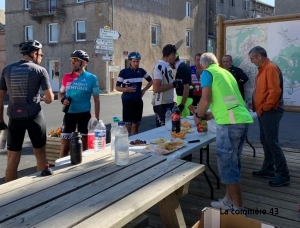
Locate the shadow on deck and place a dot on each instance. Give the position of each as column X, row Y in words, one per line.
column 281, row 203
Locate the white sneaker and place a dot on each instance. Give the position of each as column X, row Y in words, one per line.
column 221, row 204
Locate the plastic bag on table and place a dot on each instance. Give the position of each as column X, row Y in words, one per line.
column 212, row 126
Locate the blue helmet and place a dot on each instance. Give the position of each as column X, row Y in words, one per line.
column 134, row 55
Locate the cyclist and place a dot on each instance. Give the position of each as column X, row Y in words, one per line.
column 75, row 94
column 130, row 83
column 22, row 81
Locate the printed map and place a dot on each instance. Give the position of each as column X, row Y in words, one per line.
column 282, row 42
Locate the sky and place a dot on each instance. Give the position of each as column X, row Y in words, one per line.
column 269, row 2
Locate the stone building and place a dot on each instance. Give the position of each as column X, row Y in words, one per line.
column 287, row 7
column 233, row 10
column 2, row 41
column 66, row 25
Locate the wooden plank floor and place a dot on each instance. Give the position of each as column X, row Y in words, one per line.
column 256, row 192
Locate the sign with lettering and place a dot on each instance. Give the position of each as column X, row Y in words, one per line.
column 108, row 52
column 109, row 34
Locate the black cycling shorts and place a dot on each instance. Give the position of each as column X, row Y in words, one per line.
column 69, row 124
column 36, row 128
column 132, row 111
column 160, row 113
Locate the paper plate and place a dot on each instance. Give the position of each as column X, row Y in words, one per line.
column 159, row 140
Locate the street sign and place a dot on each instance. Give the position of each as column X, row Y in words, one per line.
column 109, row 34
column 106, row 58
column 104, row 42
column 102, row 47
column 114, row 68
column 109, row 52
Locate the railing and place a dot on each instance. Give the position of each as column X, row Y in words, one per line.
column 43, row 8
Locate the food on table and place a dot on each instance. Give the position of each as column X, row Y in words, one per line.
column 187, row 129
column 168, row 147
column 180, row 134
column 138, row 142
column 186, row 124
column 202, row 126
column 159, row 140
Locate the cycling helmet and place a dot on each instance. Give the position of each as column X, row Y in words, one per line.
column 29, row 46
column 134, row 55
column 80, row 54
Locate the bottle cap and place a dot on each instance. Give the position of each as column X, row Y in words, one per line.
column 115, row 117
column 121, row 123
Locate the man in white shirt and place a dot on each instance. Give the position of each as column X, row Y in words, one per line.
column 164, row 84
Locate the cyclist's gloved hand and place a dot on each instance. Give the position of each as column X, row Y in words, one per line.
column 181, row 107
column 63, row 99
column 177, row 84
column 3, row 126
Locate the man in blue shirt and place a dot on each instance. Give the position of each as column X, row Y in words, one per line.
column 130, row 83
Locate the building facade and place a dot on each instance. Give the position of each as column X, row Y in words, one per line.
column 287, row 7
column 2, row 41
column 233, row 10
column 63, row 26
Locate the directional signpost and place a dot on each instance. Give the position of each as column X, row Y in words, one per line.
column 109, row 34
column 105, row 46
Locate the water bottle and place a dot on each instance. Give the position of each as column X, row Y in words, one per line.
column 76, row 148
column 91, row 132
column 113, row 134
column 176, row 119
column 100, row 136
column 3, row 137
column 121, row 145
column 168, row 120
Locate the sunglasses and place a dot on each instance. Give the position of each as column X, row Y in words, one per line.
column 75, row 60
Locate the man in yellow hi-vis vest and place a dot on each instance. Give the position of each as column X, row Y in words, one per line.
column 220, row 92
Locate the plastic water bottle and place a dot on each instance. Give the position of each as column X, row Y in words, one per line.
column 100, row 136
column 113, row 130
column 91, row 132
column 3, row 137
column 121, row 145
column 168, row 120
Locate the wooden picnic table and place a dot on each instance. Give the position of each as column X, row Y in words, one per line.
column 97, row 193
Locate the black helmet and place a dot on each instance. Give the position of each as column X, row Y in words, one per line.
column 134, row 55
column 80, row 55
column 29, row 46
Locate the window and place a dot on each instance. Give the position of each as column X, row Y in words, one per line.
column 188, row 38
column 232, row 2
column 53, row 33
column 80, row 1
column 54, row 70
column 52, row 6
column 245, row 4
column 27, row 5
column 28, row 32
column 221, row 1
column 154, row 34
column 188, row 9
column 80, row 31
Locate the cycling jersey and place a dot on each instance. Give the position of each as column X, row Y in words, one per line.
column 80, row 88
column 195, row 81
column 132, row 78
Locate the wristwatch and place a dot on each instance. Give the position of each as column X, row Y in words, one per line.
column 200, row 117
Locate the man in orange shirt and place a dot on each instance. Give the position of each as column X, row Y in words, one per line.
column 267, row 101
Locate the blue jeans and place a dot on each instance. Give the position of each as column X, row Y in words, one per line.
column 269, row 129
column 230, row 140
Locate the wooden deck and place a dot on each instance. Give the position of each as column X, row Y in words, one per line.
column 257, row 194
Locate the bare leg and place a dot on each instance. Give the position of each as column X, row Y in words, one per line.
column 13, row 160
column 234, row 192
column 135, row 129
column 40, row 155
column 65, row 147
column 128, row 127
